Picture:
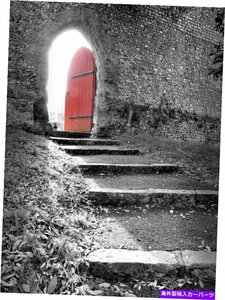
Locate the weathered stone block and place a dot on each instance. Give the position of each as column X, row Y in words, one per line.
column 198, row 259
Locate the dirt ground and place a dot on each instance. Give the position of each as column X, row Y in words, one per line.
column 139, row 228
column 200, row 161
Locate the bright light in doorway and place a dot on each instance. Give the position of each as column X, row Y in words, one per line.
column 60, row 56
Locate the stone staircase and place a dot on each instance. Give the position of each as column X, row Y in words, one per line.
column 121, row 177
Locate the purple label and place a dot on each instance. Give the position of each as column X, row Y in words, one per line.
column 187, row 294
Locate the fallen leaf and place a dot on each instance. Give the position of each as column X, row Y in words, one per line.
column 181, row 282
column 95, row 293
column 12, row 282
column 129, row 295
column 122, row 285
column 116, row 289
column 6, row 283
column 154, row 283
column 16, row 244
column 52, row 285
column 29, row 254
column 8, row 276
column 161, row 287
column 4, row 268
column 83, row 289
column 201, row 284
column 208, row 249
column 26, row 288
column 104, row 285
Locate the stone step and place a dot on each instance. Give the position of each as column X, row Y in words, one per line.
column 144, row 159
column 95, row 150
column 114, row 263
column 153, row 197
column 160, row 190
column 176, row 181
column 83, row 141
column 107, row 168
column 70, row 134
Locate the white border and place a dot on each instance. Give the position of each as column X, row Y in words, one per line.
column 4, row 29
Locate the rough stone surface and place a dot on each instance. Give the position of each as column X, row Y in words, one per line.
column 152, row 65
column 97, row 168
column 194, row 259
column 109, row 262
column 126, row 256
column 69, row 134
column 93, row 150
column 82, row 141
column 156, row 197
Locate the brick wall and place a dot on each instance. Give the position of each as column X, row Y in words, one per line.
column 151, row 61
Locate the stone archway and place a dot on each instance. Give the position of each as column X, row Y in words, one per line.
column 82, row 20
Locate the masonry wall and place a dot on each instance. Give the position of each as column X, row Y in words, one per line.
column 152, row 66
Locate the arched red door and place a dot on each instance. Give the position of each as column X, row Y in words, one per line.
column 81, row 85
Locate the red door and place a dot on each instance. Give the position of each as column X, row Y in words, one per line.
column 79, row 104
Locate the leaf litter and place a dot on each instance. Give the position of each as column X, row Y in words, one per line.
column 48, row 228
column 47, row 221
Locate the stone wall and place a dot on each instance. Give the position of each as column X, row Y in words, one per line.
column 152, row 65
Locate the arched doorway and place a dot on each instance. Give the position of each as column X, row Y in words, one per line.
column 106, row 60
column 61, row 65
column 80, row 94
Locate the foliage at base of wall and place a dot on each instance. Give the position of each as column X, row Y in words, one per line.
column 168, row 122
column 44, row 129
